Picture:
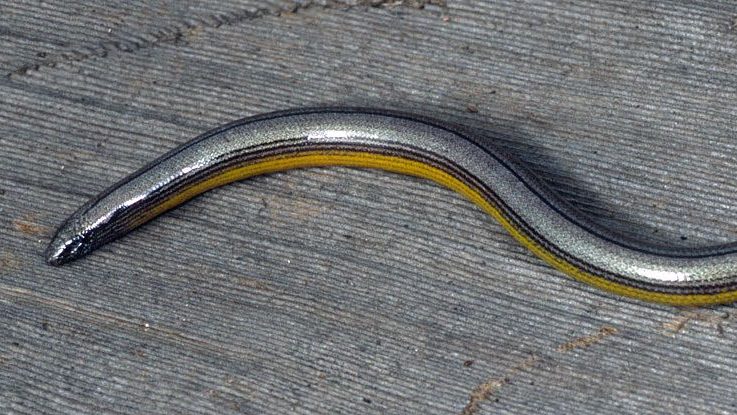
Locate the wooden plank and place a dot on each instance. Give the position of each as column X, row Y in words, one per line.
column 341, row 290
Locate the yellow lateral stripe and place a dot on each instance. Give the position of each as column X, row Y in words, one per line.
column 396, row 164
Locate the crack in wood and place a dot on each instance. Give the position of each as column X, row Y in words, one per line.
column 484, row 391
column 586, row 341
column 714, row 319
column 190, row 28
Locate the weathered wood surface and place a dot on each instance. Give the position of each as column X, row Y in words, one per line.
column 348, row 291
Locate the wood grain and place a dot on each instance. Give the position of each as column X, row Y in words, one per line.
column 350, row 291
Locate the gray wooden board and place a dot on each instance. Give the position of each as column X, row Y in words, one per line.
column 339, row 290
